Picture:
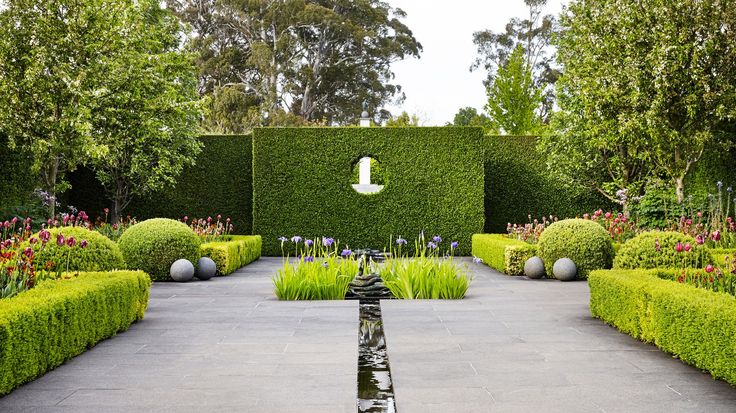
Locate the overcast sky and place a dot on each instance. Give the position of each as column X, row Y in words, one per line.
column 440, row 83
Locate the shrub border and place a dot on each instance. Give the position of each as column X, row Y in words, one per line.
column 234, row 252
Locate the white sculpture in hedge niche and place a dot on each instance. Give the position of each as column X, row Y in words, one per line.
column 206, row 268
column 565, row 269
column 182, row 270
column 534, row 268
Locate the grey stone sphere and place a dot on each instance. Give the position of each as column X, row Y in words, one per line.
column 206, row 268
column 564, row 269
column 182, row 270
column 534, row 268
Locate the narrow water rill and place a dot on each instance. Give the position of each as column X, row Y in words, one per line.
column 375, row 388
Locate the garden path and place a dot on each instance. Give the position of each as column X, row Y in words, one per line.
column 512, row 345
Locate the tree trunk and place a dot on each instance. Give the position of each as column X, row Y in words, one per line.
column 680, row 189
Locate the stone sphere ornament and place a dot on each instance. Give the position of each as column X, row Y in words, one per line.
column 534, row 268
column 565, row 269
column 182, row 270
column 206, row 268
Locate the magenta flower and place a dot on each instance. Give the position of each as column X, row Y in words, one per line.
column 60, row 241
column 28, row 252
column 45, row 236
column 688, row 247
column 679, row 247
column 716, row 236
column 219, row 217
column 700, row 240
column 71, row 241
column 185, row 219
column 709, row 268
column 84, row 243
column 106, row 211
column 33, row 240
column 657, row 247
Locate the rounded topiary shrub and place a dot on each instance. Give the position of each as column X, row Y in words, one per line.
column 99, row 253
column 585, row 242
column 655, row 249
column 153, row 245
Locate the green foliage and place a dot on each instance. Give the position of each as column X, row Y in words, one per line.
column 518, row 184
column 403, row 120
column 693, row 324
column 491, row 248
column 423, row 277
column 101, row 254
column 515, row 257
column 585, row 242
column 313, row 60
column 513, row 98
column 42, row 328
column 315, row 280
column 149, row 123
column 469, row 116
column 649, row 89
column 17, row 182
column 658, row 208
column 640, row 252
column 153, row 245
column 234, row 252
column 378, row 173
column 302, row 185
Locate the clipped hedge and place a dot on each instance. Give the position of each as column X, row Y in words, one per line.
column 220, row 182
column 302, row 185
column 696, row 325
column 153, row 245
column 640, row 252
column 42, row 328
column 101, row 254
column 235, row 252
column 518, row 183
column 585, row 242
column 515, row 257
column 491, row 248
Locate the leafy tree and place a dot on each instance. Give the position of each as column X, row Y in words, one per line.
column 647, row 89
column 317, row 59
column 513, row 98
column 469, row 116
column 403, row 120
column 534, row 34
column 149, row 124
column 54, row 68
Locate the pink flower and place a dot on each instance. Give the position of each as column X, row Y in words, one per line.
column 33, row 240
column 700, row 240
column 84, row 243
column 608, row 215
column 28, row 252
column 219, row 217
column 679, row 247
column 71, row 241
column 115, row 227
column 709, row 268
column 716, row 236
column 60, row 240
column 106, row 210
column 688, row 247
column 657, row 247
column 700, row 214
column 45, row 236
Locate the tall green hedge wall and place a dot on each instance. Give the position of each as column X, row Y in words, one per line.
column 220, row 182
column 16, row 180
column 518, row 184
column 302, row 184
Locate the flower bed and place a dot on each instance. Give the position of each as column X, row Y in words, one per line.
column 233, row 252
column 42, row 328
column 694, row 324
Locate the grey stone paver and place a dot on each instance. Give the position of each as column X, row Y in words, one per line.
column 225, row 345
column 519, row 345
column 514, row 345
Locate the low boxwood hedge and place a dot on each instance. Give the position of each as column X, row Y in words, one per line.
column 42, row 328
column 491, row 248
column 696, row 325
column 640, row 252
column 585, row 242
column 233, row 253
column 100, row 254
column 515, row 257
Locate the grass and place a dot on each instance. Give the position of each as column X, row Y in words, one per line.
column 425, row 277
column 323, row 279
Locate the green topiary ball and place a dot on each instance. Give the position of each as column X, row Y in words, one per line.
column 641, row 251
column 100, row 254
column 153, row 245
column 585, row 242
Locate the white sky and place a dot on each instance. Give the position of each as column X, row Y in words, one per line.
column 440, row 82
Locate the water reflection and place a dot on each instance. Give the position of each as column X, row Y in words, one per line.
column 375, row 389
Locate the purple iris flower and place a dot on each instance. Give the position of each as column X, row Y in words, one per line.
column 432, row 245
column 477, row 260
column 283, row 239
column 296, row 239
column 436, row 239
column 325, row 264
column 454, row 244
column 400, row 241
column 327, row 242
column 309, row 243
column 346, row 252
column 309, row 258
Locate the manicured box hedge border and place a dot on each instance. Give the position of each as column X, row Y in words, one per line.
column 696, row 325
column 233, row 253
column 302, row 185
column 502, row 253
column 42, row 328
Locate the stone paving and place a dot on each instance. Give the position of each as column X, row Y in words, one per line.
column 514, row 344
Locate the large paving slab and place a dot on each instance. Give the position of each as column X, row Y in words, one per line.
column 520, row 345
column 225, row 345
